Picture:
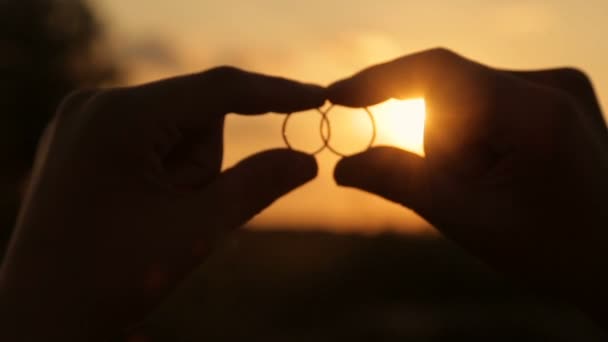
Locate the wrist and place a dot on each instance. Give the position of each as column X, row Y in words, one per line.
column 33, row 314
column 39, row 302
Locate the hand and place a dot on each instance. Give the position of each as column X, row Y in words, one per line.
column 127, row 198
column 515, row 166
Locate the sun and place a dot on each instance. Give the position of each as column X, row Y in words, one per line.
column 401, row 124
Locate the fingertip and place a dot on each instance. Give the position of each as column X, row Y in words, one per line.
column 318, row 95
column 338, row 93
column 316, row 90
column 303, row 164
column 373, row 165
column 303, row 96
column 341, row 174
column 347, row 170
column 289, row 166
column 358, row 91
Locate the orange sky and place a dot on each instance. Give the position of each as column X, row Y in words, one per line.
column 324, row 40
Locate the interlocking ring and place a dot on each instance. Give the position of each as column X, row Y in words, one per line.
column 325, row 131
column 286, row 139
column 326, row 140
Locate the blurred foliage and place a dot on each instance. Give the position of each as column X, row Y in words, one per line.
column 48, row 48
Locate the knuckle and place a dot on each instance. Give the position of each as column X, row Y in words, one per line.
column 574, row 74
column 72, row 106
column 112, row 103
column 224, row 73
column 576, row 79
column 561, row 104
column 222, row 78
column 78, row 95
column 109, row 98
column 106, row 107
column 442, row 55
column 75, row 100
column 440, row 60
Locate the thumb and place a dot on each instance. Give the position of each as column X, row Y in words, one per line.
column 394, row 174
column 243, row 191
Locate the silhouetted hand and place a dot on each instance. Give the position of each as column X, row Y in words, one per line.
column 127, row 198
column 515, row 167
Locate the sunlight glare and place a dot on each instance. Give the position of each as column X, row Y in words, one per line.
column 401, row 124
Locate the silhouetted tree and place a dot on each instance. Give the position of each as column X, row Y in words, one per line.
column 48, row 48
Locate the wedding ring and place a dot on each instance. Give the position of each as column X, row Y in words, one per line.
column 327, row 138
column 325, row 131
column 286, row 139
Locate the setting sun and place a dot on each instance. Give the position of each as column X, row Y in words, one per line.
column 401, row 124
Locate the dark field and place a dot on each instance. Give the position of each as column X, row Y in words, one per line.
column 292, row 286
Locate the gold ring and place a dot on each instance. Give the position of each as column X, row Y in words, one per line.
column 286, row 139
column 328, row 137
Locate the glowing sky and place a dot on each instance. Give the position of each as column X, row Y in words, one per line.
column 324, row 40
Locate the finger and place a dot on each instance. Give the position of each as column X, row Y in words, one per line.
column 229, row 90
column 245, row 190
column 405, row 77
column 394, row 174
